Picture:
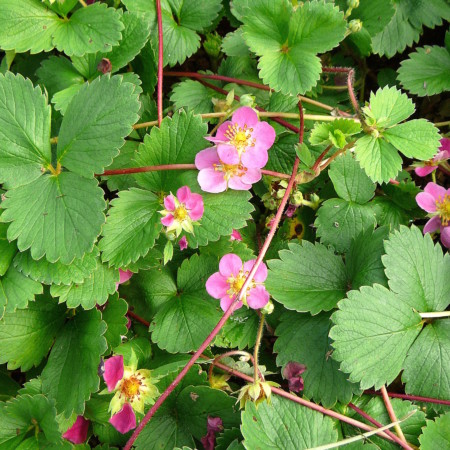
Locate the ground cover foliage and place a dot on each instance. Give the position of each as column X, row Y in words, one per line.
column 312, row 135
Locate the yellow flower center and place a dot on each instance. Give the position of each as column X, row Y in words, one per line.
column 240, row 137
column 131, row 387
column 443, row 209
column 180, row 213
column 230, row 170
column 235, row 284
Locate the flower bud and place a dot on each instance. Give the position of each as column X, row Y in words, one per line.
column 355, row 25
column 297, row 198
column 247, row 100
column 268, row 309
column 353, row 3
column 212, row 44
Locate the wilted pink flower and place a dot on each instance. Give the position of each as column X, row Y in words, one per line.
column 432, row 165
column 183, row 243
column 227, row 283
column 235, row 236
column 436, row 201
column 181, row 211
column 244, row 139
column 292, row 372
column 215, row 425
column 77, row 433
column 216, row 176
column 290, row 211
column 124, row 275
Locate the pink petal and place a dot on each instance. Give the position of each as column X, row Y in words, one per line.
column 226, row 301
column 432, row 225
column 124, row 420
column 230, row 264
column 235, row 236
column 245, row 116
column 167, row 221
column 183, row 194
column 264, row 136
column 220, row 135
column 195, row 206
column 445, row 144
column 113, row 371
column 169, row 203
column 442, row 155
column 183, row 243
column 207, row 158
column 228, row 154
column 77, row 433
column 124, row 275
column 251, row 176
column 237, row 184
column 257, row 297
column 261, row 271
column 424, row 171
column 216, row 285
column 445, row 236
column 426, row 201
column 211, row 180
column 435, row 190
column 254, row 158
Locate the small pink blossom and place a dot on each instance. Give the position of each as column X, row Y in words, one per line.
column 436, row 200
column 214, row 425
column 181, row 211
column 290, row 211
column 77, row 433
column 216, row 176
column 183, row 243
column 235, row 236
column 244, row 139
column 227, row 283
column 124, row 275
column 432, row 165
column 292, row 372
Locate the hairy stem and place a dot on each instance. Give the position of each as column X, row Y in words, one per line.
column 413, row 398
column 391, row 413
column 257, row 345
column 160, row 62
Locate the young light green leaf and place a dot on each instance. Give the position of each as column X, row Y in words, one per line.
column 336, row 132
column 436, row 434
column 68, row 216
column 71, row 375
column 131, row 228
column 25, row 132
column 426, row 71
column 27, row 335
column 304, row 339
column 285, row 424
column 372, row 334
column 116, row 320
column 350, row 181
column 193, row 96
column 307, row 278
column 95, row 124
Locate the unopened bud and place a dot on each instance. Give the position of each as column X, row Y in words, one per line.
column 297, row 198
column 353, row 3
column 247, row 100
column 268, row 309
column 355, row 25
column 212, row 44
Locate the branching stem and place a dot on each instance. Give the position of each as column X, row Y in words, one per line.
column 391, row 413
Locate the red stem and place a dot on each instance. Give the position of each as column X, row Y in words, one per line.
column 160, row 62
column 138, row 318
column 414, row 398
column 320, row 158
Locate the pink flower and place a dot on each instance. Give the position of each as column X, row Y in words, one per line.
column 235, row 236
column 244, row 139
column 181, row 211
column 216, row 176
column 227, row 283
column 214, row 425
column 77, row 433
column 292, row 372
column 290, row 211
column 124, row 275
column 124, row 420
column 432, row 165
column 183, row 243
column 436, row 201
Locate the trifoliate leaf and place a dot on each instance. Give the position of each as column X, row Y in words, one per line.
column 336, row 133
column 373, row 332
column 350, row 181
column 339, row 221
column 193, row 96
column 71, row 373
column 95, row 124
column 436, row 434
column 426, row 71
column 189, row 306
column 68, row 215
column 288, row 41
column 25, row 132
column 307, row 278
column 417, row 270
column 131, row 228
column 57, row 273
column 114, row 315
column 95, row 289
column 285, row 424
column 304, row 339
column 427, row 365
column 27, row 335
column 177, row 141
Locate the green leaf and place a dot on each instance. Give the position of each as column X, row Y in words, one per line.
column 282, row 153
column 436, row 434
column 240, row 330
column 233, row 44
column 115, row 317
column 57, row 273
column 95, row 289
column 350, row 181
column 304, row 339
column 61, row 100
column 307, row 278
column 189, row 314
column 285, row 424
column 339, row 221
column 373, row 332
column 25, row 131
column 7, row 249
column 417, row 270
column 68, row 215
column 193, row 96
column 427, row 365
column 131, row 228
column 95, row 124
column 27, row 335
column 287, row 41
column 335, row 133
column 177, row 141
column 70, row 375
column 388, row 213
column 426, row 71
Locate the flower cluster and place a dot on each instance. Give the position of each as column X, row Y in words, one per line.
column 240, row 153
column 133, row 389
column 228, row 282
